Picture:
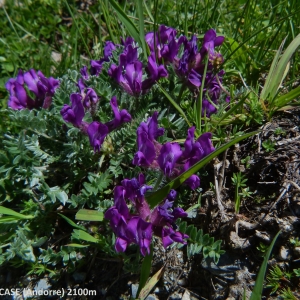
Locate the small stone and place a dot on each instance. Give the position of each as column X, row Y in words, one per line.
column 151, row 297
column 175, row 296
column 134, row 289
column 284, row 253
column 186, row 295
column 237, row 242
column 181, row 282
column 297, row 251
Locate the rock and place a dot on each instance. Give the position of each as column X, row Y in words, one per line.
column 237, row 242
column 151, row 297
column 297, row 252
column 186, row 295
column 134, row 289
column 175, row 296
column 284, row 253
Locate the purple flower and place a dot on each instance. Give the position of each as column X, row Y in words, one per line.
column 84, row 73
column 97, row 133
column 129, row 77
column 75, row 113
column 135, row 188
column 196, row 150
column 169, row 154
column 96, row 65
column 140, row 233
column 164, row 43
column 210, row 41
column 90, row 97
column 43, row 88
column 121, row 117
column 155, row 73
column 169, row 236
column 18, row 98
column 147, row 133
column 138, row 228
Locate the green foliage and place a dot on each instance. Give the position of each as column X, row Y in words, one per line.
column 201, row 243
column 268, row 145
column 48, row 169
column 258, row 287
column 239, row 181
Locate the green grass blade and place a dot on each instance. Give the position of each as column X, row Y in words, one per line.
column 10, row 212
column 145, row 271
column 173, row 102
column 280, row 70
column 139, row 6
column 10, row 22
column 71, row 222
column 151, row 283
column 148, row 11
column 256, row 33
column 266, row 89
column 258, row 287
column 74, row 20
column 156, row 197
column 106, row 16
column 286, row 98
column 233, row 109
column 131, row 28
column 89, row 215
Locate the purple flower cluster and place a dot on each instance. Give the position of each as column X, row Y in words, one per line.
column 190, row 65
column 43, row 89
column 96, row 131
column 129, row 73
column 170, row 158
column 139, row 227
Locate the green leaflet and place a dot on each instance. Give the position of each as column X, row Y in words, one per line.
column 89, row 215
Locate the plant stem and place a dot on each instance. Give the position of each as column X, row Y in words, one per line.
column 199, row 103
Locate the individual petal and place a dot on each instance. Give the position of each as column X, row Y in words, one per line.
column 120, row 116
column 90, row 97
column 133, row 76
column 129, row 56
column 172, row 195
column 140, row 232
column 77, row 108
column 146, row 147
column 139, row 159
column 84, row 73
column 120, row 203
column 193, row 182
column 31, row 79
column 178, row 212
column 206, row 144
column 97, row 133
column 189, row 142
column 108, row 49
column 153, row 131
column 169, row 154
column 169, row 236
column 121, row 245
column 195, row 78
column 219, row 40
column 19, row 98
column 96, row 66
